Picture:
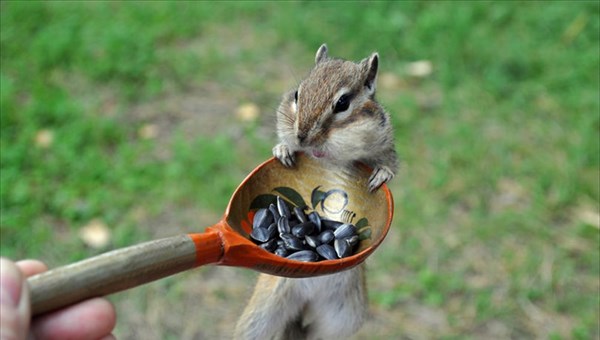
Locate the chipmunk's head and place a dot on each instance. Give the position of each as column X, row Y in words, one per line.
column 335, row 95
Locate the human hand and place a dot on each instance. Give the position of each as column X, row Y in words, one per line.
column 91, row 319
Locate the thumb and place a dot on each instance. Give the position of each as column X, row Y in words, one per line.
column 15, row 309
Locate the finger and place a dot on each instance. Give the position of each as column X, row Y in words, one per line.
column 91, row 319
column 14, row 301
column 11, row 283
column 31, row 267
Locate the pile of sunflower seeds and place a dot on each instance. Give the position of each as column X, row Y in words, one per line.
column 295, row 235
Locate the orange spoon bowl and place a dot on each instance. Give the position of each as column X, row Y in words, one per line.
column 335, row 193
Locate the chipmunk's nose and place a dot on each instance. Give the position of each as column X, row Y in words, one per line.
column 302, row 137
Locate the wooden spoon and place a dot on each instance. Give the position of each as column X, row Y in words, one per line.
column 337, row 194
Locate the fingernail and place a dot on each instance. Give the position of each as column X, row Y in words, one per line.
column 10, row 283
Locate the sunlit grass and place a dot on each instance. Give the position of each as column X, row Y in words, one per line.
column 500, row 143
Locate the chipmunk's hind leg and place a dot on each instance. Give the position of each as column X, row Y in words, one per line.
column 339, row 321
column 295, row 329
column 339, row 312
column 270, row 310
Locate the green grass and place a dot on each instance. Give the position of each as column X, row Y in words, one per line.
column 500, row 145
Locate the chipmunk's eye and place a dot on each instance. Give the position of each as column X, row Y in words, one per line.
column 296, row 96
column 342, row 104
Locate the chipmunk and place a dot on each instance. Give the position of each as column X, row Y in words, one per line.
column 333, row 116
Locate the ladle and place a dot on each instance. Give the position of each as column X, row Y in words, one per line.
column 334, row 193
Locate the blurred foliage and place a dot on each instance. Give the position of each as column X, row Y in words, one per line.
column 500, row 143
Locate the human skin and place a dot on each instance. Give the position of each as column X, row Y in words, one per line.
column 91, row 319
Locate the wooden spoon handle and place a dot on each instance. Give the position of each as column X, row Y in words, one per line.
column 121, row 269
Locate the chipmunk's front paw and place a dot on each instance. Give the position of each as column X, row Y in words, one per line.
column 284, row 155
column 380, row 175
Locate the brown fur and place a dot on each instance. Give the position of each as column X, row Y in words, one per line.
column 363, row 133
column 332, row 306
column 325, row 307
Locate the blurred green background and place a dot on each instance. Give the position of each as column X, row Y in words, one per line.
column 127, row 121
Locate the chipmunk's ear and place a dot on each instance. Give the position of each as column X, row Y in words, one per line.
column 370, row 66
column 321, row 54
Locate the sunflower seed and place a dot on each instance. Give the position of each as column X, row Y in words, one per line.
column 260, row 234
column 314, row 218
column 329, row 224
column 304, row 256
column 344, row 231
column 312, row 241
column 274, row 211
column 283, row 225
column 282, row 207
column 292, row 242
column 326, row 236
column 300, row 215
column 272, row 231
column 342, row 248
column 281, row 251
column 352, row 240
column 327, row 252
column 262, row 218
column 270, row 245
column 303, row 229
